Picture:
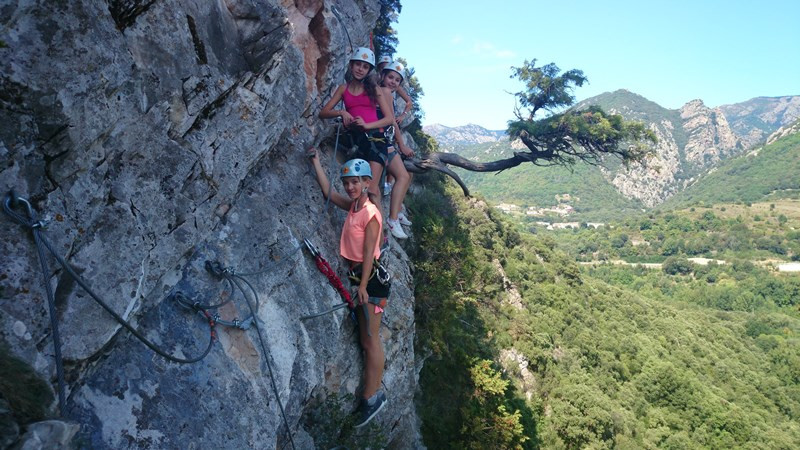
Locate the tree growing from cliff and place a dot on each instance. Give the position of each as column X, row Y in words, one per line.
column 560, row 138
column 384, row 37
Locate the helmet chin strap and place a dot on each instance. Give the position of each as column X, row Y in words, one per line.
column 364, row 194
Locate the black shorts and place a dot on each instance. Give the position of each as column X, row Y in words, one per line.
column 371, row 146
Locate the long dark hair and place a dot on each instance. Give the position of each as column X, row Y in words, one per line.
column 370, row 82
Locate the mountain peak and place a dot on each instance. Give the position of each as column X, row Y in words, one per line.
column 464, row 134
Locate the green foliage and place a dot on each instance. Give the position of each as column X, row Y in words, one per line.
column 332, row 426
column 28, row 396
column 456, row 285
column 677, row 266
column 592, row 196
column 580, row 134
column 544, row 87
column 384, row 37
column 488, row 424
column 616, row 356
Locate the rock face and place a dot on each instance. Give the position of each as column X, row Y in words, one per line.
column 652, row 180
column 157, row 136
column 782, row 132
column 757, row 118
column 709, row 138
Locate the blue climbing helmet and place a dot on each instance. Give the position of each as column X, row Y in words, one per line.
column 356, row 168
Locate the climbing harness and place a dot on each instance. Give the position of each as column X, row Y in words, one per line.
column 37, row 226
column 378, row 269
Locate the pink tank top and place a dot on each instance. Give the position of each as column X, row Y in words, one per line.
column 360, row 106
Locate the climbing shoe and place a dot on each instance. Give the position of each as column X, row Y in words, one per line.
column 369, row 408
column 401, row 217
column 396, row 229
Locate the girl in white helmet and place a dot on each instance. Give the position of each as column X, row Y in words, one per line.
column 383, row 61
column 396, row 67
column 362, row 96
column 391, row 78
column 359, row 246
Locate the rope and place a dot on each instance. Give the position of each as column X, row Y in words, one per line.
column 326, row 270
column 229, row 275
column 341, row 22
column 35, row 227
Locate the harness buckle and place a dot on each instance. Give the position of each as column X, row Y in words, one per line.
column 386, row 275
column 389, row 134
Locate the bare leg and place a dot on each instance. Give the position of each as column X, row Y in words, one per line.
column 374, row 189
column 402, row 181
column 373, row 350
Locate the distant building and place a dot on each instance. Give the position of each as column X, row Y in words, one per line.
column 508, row 208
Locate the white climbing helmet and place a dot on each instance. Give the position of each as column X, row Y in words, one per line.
column 356, row 168
column 395, row 66
column 384, row 59
column 364, row 54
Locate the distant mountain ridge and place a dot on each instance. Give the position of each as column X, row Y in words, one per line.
column 463, row 135
column 692, row 140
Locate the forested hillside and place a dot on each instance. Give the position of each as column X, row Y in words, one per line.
column 537, row 351
column 771, row 169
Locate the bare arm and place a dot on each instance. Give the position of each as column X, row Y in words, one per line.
column 370, row 236
column 338, row 199
column 409, row 104
column 328, row 112
column 401, row 143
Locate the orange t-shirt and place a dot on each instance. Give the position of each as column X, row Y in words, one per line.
column 351, row 244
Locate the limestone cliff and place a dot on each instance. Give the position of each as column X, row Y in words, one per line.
column 755, row 119
column 692, row 143
column 157, row 136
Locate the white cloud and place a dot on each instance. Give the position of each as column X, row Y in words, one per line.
column 482, row 48
column 457, row 39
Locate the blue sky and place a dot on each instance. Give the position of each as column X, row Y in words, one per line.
column 670, row 52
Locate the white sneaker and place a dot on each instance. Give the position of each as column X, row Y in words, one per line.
column 387, row 188
column 401, row 217
column 396, row 229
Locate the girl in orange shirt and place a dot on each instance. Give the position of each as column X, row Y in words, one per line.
column 359, row 246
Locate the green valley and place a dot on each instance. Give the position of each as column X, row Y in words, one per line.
column 538, row 350
column 654, row 305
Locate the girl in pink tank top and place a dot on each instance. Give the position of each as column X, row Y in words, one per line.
column 362, row 96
